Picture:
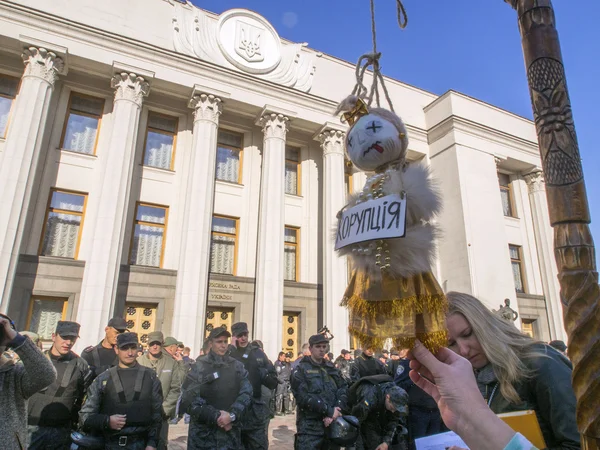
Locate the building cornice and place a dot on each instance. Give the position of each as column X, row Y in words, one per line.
column 455, row 123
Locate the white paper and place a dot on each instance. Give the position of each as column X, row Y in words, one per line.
column 381, row 218
column 440, row 441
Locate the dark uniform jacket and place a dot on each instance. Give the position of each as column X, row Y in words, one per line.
column 417, row 397
column 215, row 383
column 58, row 404
column 135, row 392
column 378, row 425
column 318, row 389
column 365, row 366
column 344, row 366
column 100, row 358
column 284, row 371
column 549, row 393
column 260, row 369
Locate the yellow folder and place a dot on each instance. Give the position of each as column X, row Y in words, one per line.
column 526, row 423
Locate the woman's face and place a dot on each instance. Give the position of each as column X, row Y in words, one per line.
column 462, row 340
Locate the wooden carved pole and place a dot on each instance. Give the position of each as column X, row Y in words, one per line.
column 567, row 202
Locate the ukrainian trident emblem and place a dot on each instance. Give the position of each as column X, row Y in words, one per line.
column 248, row 40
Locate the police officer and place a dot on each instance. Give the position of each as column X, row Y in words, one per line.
column 102, row 356
column 52, row 412
column 320, row 394
column 366, row 365
column 343, row 363
column 379, row 406
column 283, row 368
column 216, row 393
column 124, row 403
column 171, row 374
column 260, row 372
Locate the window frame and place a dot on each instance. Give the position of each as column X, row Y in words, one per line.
column 511, row 196
column 12, row 104
column 68, row 114
column 64, row 211
column 297, row 247
column 151, row 224
column 240, row 151
column 65, row 301
column 519, row 261
column 298, row 169
column 220, row 233
column 156, row 130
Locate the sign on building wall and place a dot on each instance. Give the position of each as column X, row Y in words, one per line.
column 380, row 218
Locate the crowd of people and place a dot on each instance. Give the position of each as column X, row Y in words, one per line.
column 119, row 395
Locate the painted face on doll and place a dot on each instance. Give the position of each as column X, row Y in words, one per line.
column 373, row 142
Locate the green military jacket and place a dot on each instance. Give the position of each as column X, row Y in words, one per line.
column 171, row 374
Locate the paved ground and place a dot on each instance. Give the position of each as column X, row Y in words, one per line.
column 281, row 434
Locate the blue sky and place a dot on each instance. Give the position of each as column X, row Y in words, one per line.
column 471, row 46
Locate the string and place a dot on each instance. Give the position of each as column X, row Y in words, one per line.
column 372, row 60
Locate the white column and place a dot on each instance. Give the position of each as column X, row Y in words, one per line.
column 103, row 262
column 21, row 156
column 194, row 255
column 545, row 249
column 268, row 297
column 335, row 277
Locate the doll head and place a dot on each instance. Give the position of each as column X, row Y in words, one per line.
column 377, row 136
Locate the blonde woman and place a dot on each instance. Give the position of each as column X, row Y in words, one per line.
column 513, row 371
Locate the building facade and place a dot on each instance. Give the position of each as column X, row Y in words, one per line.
column 184, row 169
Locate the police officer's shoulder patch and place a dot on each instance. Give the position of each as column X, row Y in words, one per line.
column 312, row 370
column 89, row 349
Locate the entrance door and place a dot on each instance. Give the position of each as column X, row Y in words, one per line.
column 291, row 326
column 141, row 319
column 218, row 317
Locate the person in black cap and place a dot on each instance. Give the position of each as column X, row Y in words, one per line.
column 343, row 363
column 260, row 372
column 124, row 403
column 283, row 367
column 216, row 393
column 52, row 412
column 320, row 394
column 366, row 365
column 379, row 405
column 102, row 356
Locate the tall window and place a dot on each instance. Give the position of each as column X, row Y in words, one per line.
column 161, row 135
column 149, row 231
column 223, row 245
column 64, row 219
column 44, row 314
column 292, row 170
column 82, row 123
column 291, row 253
column 8, row 92
column 229, row 156
column 517, row 267
column 506, row 195
column 527, row 327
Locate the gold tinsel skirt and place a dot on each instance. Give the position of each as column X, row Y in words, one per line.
column 402, row 309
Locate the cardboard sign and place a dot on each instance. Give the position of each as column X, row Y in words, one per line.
column 381, row 218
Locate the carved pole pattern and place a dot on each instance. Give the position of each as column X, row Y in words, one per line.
column 568, row 207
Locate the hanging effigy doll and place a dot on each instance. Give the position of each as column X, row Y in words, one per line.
column 392, row 291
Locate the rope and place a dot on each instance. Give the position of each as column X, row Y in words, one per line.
column 372, row 60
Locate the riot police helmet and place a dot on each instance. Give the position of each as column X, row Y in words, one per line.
column 343, row 431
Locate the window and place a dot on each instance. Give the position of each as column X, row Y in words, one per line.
column 64, row 220
column 292, row 171
column 161, row 135
column 517, row 267
column 506, row 195
column 290, row 250
column 229, row 156
column 149, row 230
column 82, row 124
column 527, row 327
column 44, row 314
column 223, row 247
column 8, row 92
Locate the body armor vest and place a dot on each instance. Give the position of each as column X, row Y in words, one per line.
column 221, row 392
column 129, row 392
column 53, row 406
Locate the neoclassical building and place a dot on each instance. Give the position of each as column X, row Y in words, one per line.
column 184, row 170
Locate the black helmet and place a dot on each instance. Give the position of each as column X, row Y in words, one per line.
column 343, row 431
column 86, row 441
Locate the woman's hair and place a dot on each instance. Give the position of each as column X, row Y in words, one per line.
column 505, row 347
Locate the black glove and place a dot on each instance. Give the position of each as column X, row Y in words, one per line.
column 205, row 414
